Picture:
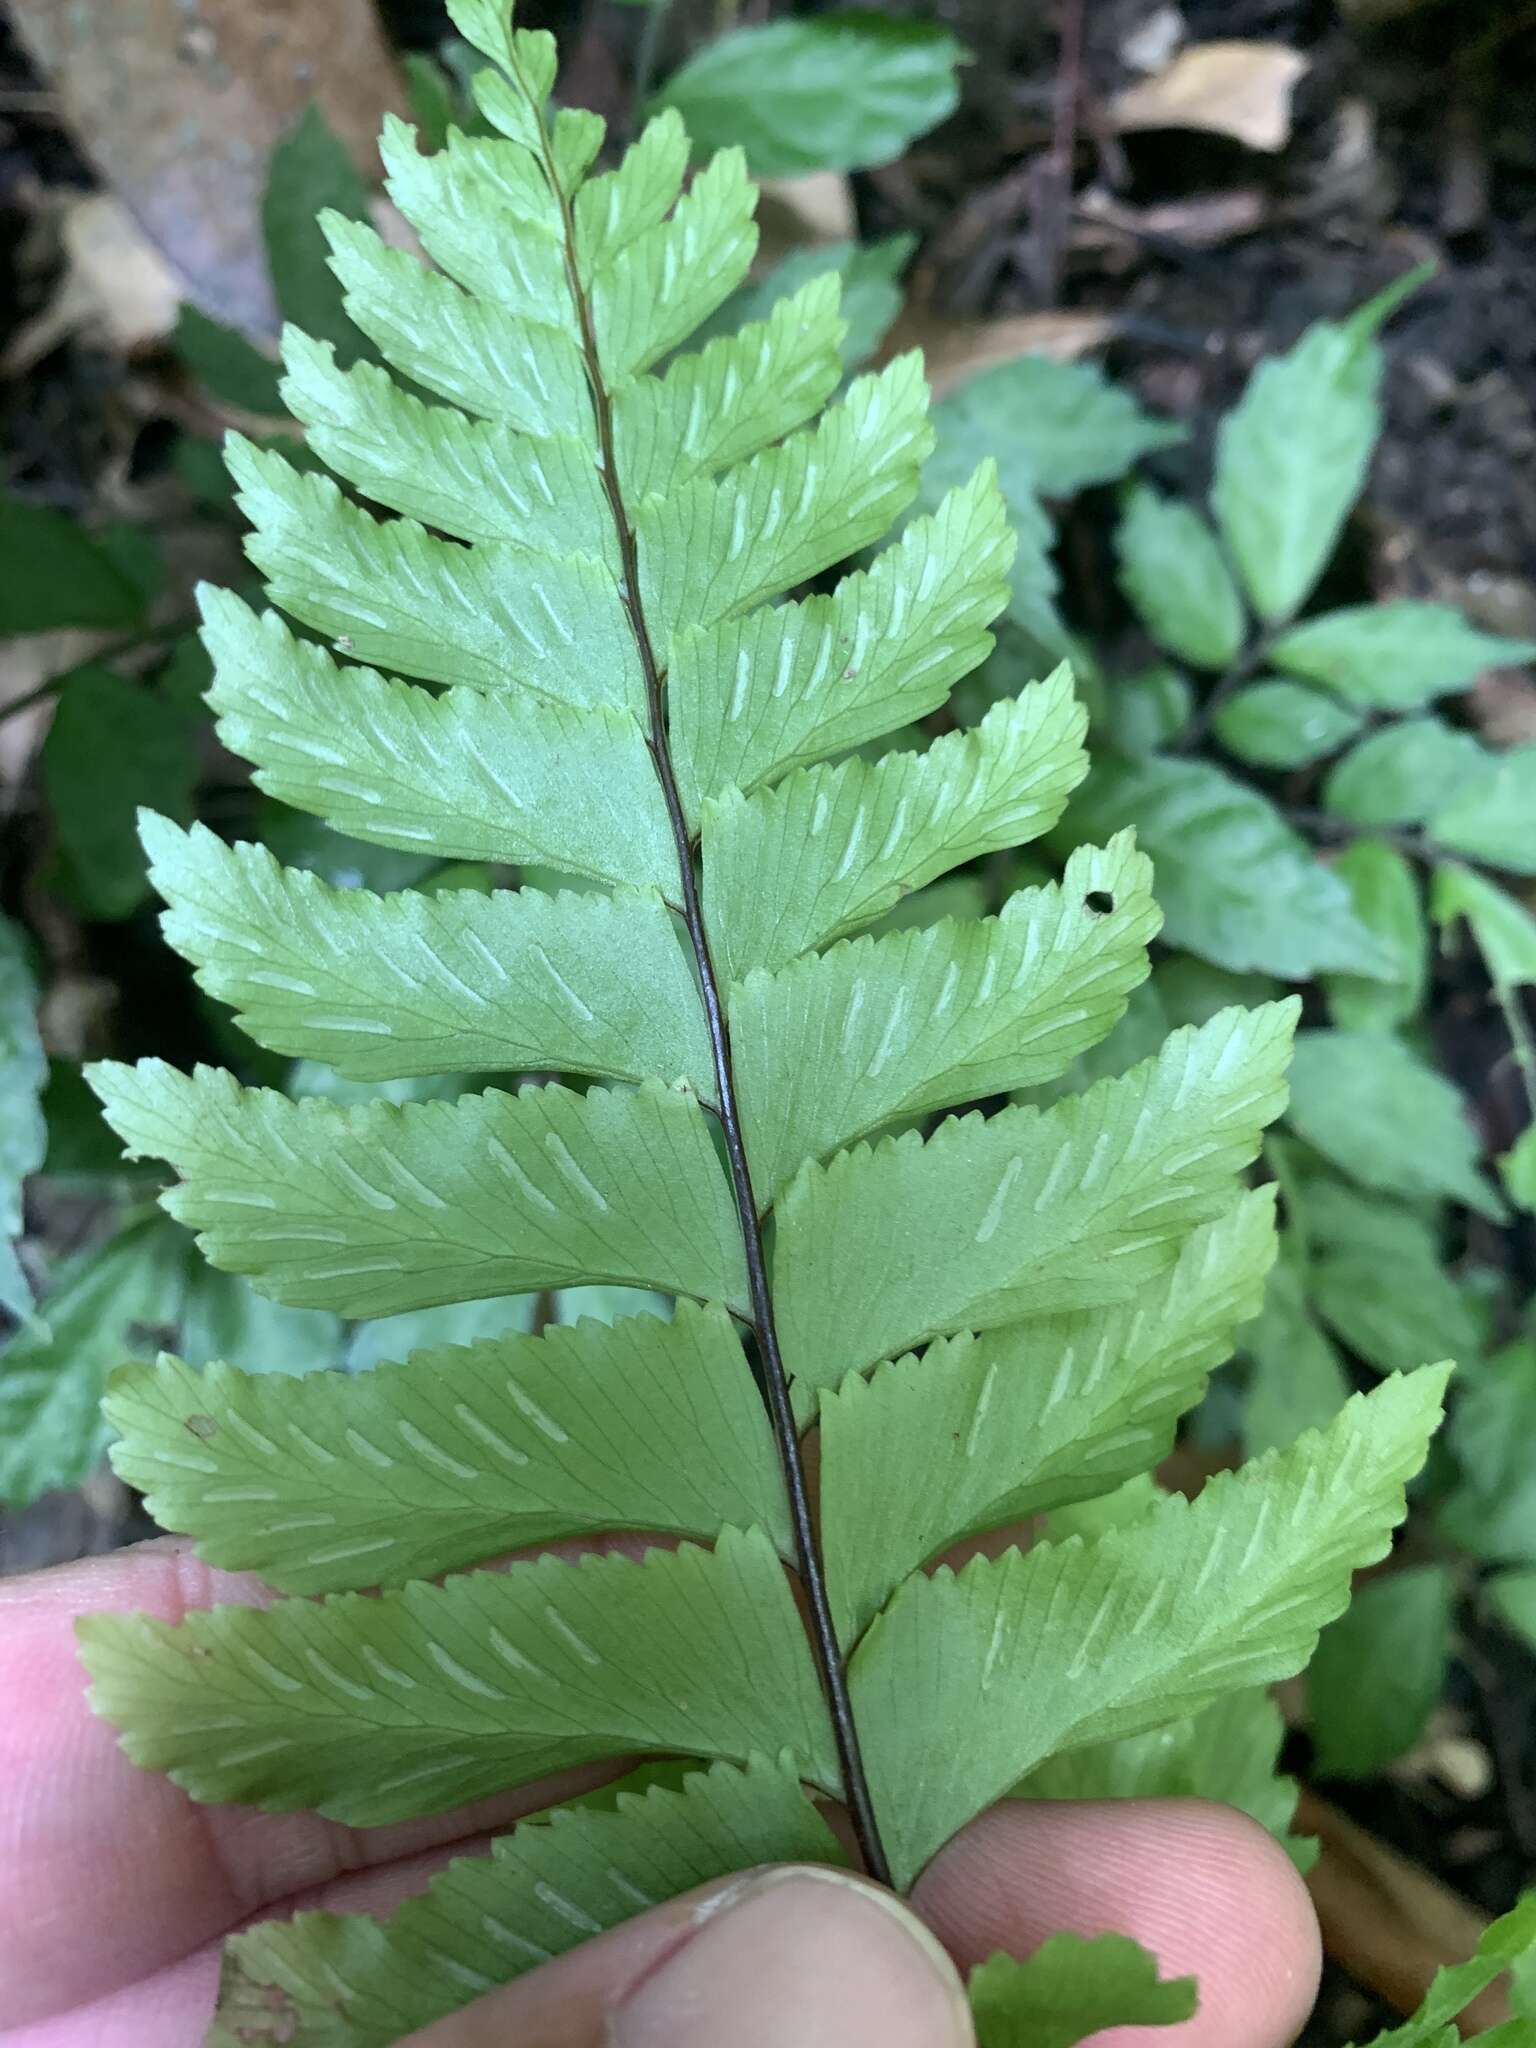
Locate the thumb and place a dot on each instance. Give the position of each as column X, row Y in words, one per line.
column 798, row 1957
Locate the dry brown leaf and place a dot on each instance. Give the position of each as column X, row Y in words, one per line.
column 180, row 102
column 957, row 349
column 794, row 211
column 116, row 286
column 1230, row 88
column 1204, row 221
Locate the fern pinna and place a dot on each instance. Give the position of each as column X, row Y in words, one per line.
column 984, row 1318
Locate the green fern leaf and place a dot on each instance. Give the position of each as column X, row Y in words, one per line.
column 984, row 1431
column 458, row 1454
column 348, row 1981
column 1077, row 1642
column 579, row 581
column 1070, row 1988
column 430, row 1696
column 953, row 1013
column 512, row 981
column 1026, row 1212
column 386, row 1207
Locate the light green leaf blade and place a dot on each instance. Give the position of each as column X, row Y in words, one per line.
column 1502, row 927
column 1401, row 772
column 614, row 210
column 732, row 398
column 1077, row 1642
column 464, row 348
column 1237, row 886
column 113, row 745
column 840, row 92
column 458, row 981
column 1397, row 656
column 490, row 1680
column 388, row 1207
column 1074, row 1986
column 1172, row 570
column 1491, row 816
column 463, row 776
column 1512, row 1596
column 837, row 1045
column 1064, row 425
column 663, row 285
column 52, row 1373
column 486, row 1919
column 1388, row 902
column 1377, row 1279
column 1384, row 1118
column 831, row 848
column 984, row 1431
column 1507, row 1941
column 1027, row 1212
column 23, row 1129
column 1517, row 1169
column 1283, row 725
column 479, row 480
column 458, row 1454
column 718, row 547
column 791, row 683
column 1291, row 458
column 1396, row 1636
column 489, row 615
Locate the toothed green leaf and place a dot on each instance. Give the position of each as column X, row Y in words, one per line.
column 487, row 1919
column 1028, row 1212
column 1073, row 1986
column 984, row 1431
column 1076, row 1642
column 462, row 775
column 1508, row 1940
column 458, row 1454
column 375, row 1708
column 386, row 1207
column 924, row 1019
column 385, row 986
column 829, row 849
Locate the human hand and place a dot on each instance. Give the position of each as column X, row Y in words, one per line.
column 115, row 1891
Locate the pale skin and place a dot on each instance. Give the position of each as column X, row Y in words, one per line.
column 115, row 1891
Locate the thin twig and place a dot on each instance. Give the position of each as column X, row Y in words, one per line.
column 823, row 1630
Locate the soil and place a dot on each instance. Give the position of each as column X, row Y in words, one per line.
column 1414, row 139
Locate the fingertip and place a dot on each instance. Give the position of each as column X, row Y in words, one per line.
column 1202, row 1886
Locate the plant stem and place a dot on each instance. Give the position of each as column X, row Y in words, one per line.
column 823, row 1631
column 1252, row 658
column 1326, row 826
column 1521, row 1042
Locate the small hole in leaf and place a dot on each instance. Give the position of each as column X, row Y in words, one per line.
column 1100, row 902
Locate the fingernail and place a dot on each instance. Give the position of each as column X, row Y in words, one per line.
column 799, row 1957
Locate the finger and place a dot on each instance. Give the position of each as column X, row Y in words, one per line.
column 787, row 1958
column 1202, row 1886
column 88, row 1841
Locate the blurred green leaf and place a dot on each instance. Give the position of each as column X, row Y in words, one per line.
column 1378, row 1282
column 836, row 92
column 1174, row 574
column 102, row 1307
column 1395, row 656
column 223, row 1317
column 1389, row 904
column 1512, row 1596
column 433, row 99
column 1275, row 724
column 23, row 1132
column 1379, row 1670
column 113, row 745
column 228, row 366
column 1506, row 1941
column 1493, row 817
column 1297, row 1379
column 1236, row 884
column 1292, row 454
column 1402, row 773
column 56, row 575
column 1517, row 1169
column 1378, row 1113
column 1062, row 425
column 871, row 297
column 1147, row 710
column 310, row 172
column 1504, row 930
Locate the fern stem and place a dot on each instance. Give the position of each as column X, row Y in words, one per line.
column 823, row 1632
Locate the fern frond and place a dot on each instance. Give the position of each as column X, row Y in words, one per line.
column 458, row 1454
column 578, row 582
